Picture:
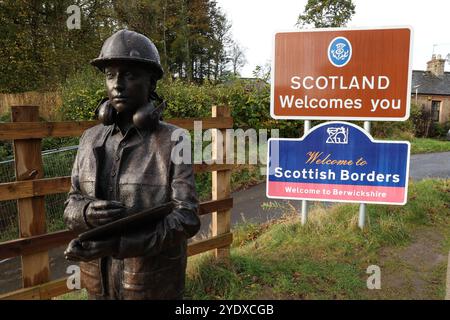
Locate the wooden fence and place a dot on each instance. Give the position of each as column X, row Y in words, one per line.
column 48, row 102
column 30, row 187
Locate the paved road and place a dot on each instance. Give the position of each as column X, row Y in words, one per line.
column 247, row 207
column 430, row 165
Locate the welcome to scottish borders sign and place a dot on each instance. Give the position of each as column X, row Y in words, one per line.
column 338, row 161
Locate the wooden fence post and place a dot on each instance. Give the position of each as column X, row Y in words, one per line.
column 28, row 166
column 221, row 220
column 447, row 286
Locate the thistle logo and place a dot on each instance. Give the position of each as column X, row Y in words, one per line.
column 339, row 51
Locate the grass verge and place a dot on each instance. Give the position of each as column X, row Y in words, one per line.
column 328, row 258
column 426, row 145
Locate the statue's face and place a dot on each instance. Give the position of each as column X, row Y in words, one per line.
column 128, row 86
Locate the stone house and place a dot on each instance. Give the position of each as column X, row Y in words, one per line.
column 431, row 89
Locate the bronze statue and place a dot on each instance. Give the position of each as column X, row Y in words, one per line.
column 123, row 166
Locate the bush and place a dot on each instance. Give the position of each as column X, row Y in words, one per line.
column 421, row 119
column 81, row 93
column 185, row 100
column 57, row 142
column 5, row 146
column 404, row 130
column 383, row 129
column 439, row 130
column 249, row 100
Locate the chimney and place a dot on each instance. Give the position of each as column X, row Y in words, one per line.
column 436, row 65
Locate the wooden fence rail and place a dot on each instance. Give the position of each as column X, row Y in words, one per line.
column 41, row 187
column 26, row 132
column 47, row 241
column 38, row 130
column 58, row 287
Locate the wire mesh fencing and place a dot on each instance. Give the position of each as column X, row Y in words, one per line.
column 56, row 163
column 9, row 228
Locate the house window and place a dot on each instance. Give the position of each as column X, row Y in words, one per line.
column 435, row 110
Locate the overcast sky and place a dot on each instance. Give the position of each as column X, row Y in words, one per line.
column 255, row 21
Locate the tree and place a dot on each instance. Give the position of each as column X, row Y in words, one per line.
column 237, row 57
column 263, row 72
column 220, row 40
column 326, row 13
column 38, row 51
column 191, row 35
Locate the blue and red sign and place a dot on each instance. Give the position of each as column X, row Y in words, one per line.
column 338, row 161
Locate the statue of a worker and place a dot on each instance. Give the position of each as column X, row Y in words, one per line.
column 125, row 163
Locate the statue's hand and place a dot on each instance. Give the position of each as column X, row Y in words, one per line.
column 90, row 250
column 100, row 212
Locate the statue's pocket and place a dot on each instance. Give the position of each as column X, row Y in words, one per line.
column 91, row 277
column 143, row 190
column 167, row 283
column 155, row 277
column 143, row 178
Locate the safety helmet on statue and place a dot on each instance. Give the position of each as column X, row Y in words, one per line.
column 126, row 45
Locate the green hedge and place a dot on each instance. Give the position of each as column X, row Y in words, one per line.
column 249, row 100
column 80, row 95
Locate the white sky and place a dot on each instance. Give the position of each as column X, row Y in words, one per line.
column 255, row 21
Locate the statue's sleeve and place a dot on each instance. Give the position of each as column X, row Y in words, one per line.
column 182, row 223
column 76, row 203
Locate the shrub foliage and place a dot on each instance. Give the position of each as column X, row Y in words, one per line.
column 249, row 100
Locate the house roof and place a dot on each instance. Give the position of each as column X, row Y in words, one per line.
column 427, row 83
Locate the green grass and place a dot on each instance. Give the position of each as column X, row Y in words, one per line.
column 426, row 145
column 75, row 295
column 422, row 145
column 327, row 258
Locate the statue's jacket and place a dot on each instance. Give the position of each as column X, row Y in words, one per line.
column 152, row 259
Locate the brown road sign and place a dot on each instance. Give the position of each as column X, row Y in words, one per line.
column 342, row 74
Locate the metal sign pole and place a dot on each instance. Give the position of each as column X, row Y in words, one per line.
column 362, row 215
column 306, row 129
column 362, row 206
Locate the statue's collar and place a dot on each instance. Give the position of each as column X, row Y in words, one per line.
column 140, row 132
